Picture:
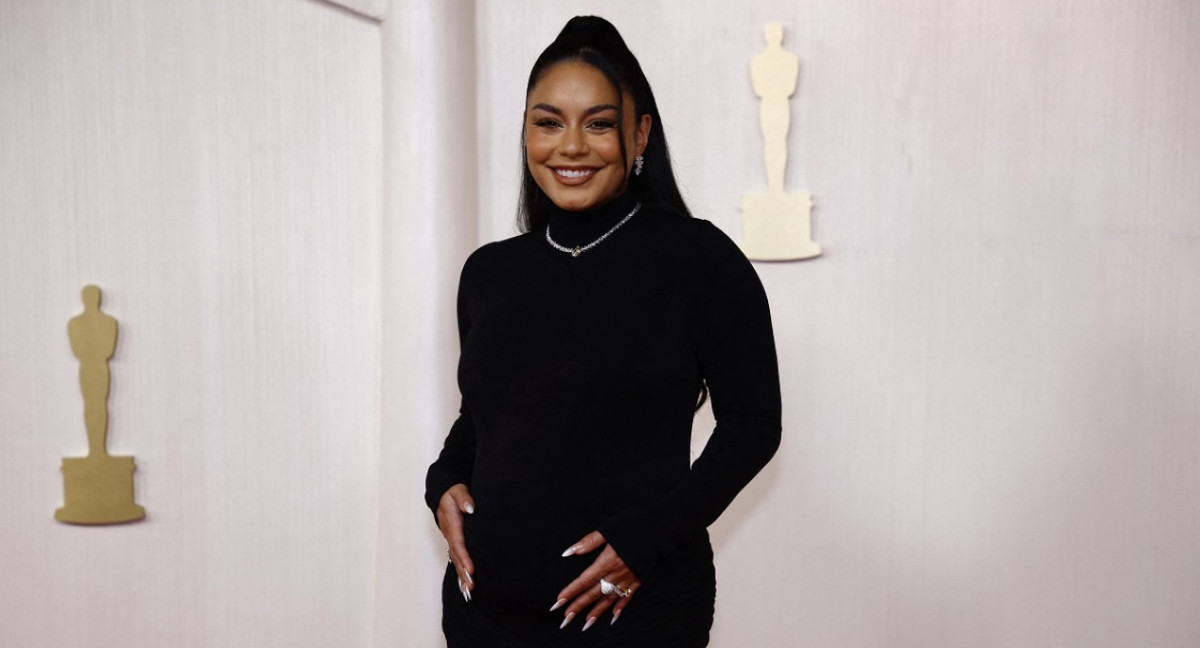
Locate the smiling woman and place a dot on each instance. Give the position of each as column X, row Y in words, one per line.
column 564, row 488
column 574, row 144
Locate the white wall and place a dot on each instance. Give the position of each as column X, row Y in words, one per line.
column 429, row 229
column 989, row 376
column 215, row 168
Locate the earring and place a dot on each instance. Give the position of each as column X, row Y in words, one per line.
column 637, row 165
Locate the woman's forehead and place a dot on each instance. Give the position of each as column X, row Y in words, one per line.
column 573, row 83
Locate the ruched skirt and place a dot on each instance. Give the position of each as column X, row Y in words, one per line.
column 674, row 609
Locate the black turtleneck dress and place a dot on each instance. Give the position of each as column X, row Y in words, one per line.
column 579, row 379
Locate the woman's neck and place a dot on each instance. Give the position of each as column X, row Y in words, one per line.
column 580, row 227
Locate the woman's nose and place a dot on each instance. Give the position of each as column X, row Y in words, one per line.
column 573, row 142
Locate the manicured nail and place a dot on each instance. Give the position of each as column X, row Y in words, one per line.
column 469, row 579
column 558, row 604
column 589, row 623
column 570, row 615
column 571, row 551
column 616, row 613
column 470, row 508
column 465, row 592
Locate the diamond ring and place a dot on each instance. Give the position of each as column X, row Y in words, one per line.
column 608, row 589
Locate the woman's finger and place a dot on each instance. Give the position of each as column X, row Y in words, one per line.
column 462, row 498
column 587, row 544
column 622, row 602
column 608, row 562
column 449, row 515
column 456, row 545
column 578, row 604
column 585, row 590
column 598, row 609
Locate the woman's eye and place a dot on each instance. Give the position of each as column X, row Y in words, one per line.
column 601, row 125
column 546, row 123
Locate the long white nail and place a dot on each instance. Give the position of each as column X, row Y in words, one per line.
column 465, row 592
column 469, row 579
column 616, row 613
column 558, row 604
column 571, row 551
column 570, row 615
column 470, row 508
column 589, row 623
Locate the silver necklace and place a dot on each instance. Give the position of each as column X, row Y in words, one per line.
column 577, row 250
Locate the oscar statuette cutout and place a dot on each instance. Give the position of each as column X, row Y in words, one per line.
column 98, row 488
column 776, row 225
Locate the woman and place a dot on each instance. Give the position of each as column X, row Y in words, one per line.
column 564, row 489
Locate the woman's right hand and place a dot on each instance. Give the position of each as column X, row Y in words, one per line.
column 454, row 503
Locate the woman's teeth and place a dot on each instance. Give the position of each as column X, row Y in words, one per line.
column 572, row 173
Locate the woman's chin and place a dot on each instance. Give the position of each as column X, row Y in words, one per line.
column 582, row 198
column 578, row 203
column 572, row 205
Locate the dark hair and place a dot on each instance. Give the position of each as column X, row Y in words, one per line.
column 594, row 41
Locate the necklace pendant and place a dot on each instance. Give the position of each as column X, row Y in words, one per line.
column 576, row 251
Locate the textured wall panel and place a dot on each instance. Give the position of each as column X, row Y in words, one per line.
column 428, row 230
column 215, row 167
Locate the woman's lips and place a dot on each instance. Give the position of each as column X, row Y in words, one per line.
column 573, row 176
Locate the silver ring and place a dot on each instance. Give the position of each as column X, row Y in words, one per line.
column 608, row 589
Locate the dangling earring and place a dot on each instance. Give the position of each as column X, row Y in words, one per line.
column 637, row 165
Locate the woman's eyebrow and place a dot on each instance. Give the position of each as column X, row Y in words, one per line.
column 555, row 110
column 601, row 108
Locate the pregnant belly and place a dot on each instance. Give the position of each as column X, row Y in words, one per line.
column 518, row 555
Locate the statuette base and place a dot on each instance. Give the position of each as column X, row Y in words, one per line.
column 777, row 226
column 98, row 490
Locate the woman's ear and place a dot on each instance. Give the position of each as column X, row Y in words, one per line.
column 642, row 135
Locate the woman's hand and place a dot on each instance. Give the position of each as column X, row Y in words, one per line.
column 454, row 503
column 585, row 590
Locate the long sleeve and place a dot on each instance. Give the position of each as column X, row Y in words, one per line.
column 734, row 348
column 456, row 461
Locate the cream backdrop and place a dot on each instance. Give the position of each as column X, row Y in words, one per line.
column 989, row 377
column 213, row 165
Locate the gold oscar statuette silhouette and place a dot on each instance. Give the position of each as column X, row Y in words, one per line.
column 776, row 225
column 98, row 488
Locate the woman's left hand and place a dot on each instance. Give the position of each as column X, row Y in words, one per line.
column 585, row 590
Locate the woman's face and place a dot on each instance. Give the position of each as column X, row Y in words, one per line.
column 571, row 137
